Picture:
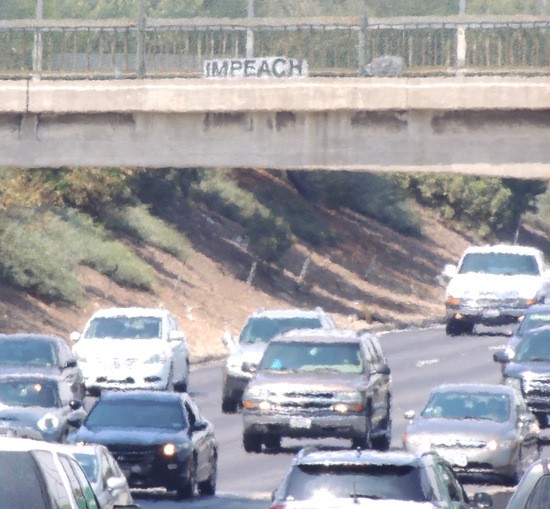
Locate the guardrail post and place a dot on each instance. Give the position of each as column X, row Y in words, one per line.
column 249, row 31
column 37, row 46
column 140, row 46
column 461, row 41
column 362, row 39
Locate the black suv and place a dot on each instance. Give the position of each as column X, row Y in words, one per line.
column 526, row 367
column 387, row 477
column 317, row 384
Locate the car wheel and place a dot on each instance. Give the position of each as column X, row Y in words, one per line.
column 381, row 443
column 457, row 327
column 170, row 382
column 514, row 479
column 363, row 441
column 252, row 442
column 208, row 487
column 189, row 484
column 229, row 406
column 272, row 442
column 182, row 385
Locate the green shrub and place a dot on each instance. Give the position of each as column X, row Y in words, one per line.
column 138, row 222
column 269, row 236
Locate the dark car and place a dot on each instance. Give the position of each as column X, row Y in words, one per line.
column 43, row 354
column 40, row 403
column 534, row 316
column 159, row 439
column 319, row 384
column 392, row 479
column 526, row 367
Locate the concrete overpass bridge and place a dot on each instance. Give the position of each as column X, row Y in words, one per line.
column 477, row 125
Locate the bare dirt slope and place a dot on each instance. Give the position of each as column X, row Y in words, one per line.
column 372, row 276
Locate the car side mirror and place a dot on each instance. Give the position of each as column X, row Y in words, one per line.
column 249, row 367
column 115, row 483
column 409, row 415
column 383, row 369
column 229, row 341
column 482, row 500
column 75, row 404
column 501, row 356
column 71, row 363
column 199, row 426
column 74, row 336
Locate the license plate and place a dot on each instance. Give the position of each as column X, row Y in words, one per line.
column 300, row 422
column 455, row 458
column 491, row 313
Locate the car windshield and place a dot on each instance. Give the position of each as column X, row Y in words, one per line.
column 27, row 352
column 468, row 405
column 136, row 413
column 378, row 482
column 262, row 329
column 89, row 464
column 532, row 321
column 29, row 393
column 124, row 327
column 534, row 348
column 510, row 264
column 310, row 357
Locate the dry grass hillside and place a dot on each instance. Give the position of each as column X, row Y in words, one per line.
column 371, row 276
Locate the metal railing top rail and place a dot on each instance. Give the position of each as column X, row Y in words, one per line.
column 350, row 22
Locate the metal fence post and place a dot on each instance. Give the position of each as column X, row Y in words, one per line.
column 362, row 39
column 37, row 46
column 140, row 46
column 249, row 31
column 461, row 40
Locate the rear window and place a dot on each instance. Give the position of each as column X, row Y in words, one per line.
column 377, row 482
column 262, row 329
column 20, row 482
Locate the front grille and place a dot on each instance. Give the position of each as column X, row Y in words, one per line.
column 537, row 386
column 133, row 454
column 309, row 395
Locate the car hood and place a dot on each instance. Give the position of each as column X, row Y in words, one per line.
column 249, row 352
column 49, row 371
column 305, row 382
column 23, row 416
column 517, row 369
column 141, row 436
column 456, row 429
column 342, row 503
column 120, row 348
column 473, row 285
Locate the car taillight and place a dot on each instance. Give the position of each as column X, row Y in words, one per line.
column 277, row 506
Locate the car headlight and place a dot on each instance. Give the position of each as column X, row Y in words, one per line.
column 257, row 399
column 512, row 382
column 157, row 358
column 48, row 422
column 494, row 445
column 419, row 443
column 348, row 402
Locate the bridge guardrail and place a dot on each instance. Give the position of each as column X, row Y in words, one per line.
column 340, row 46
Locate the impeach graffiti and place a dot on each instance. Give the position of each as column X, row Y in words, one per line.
column 272, row 67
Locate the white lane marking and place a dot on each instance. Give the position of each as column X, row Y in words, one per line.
column 426, row 362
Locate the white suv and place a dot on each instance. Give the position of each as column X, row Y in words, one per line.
column 132, row 348
column 493, row 285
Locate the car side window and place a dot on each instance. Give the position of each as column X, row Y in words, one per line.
column 540, row 496
column 54, row 481
column 80, row 486
column 453, row 487
column 191, row 414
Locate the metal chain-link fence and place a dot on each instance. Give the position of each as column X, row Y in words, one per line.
column 165, row 38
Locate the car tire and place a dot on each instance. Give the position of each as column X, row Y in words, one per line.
column 229, row 406
column 514, row 479
column 272, row 442
column 252, row 442
column 208, row 487
column 170, row 381
column 188, row 485
column 457, row 327
column 183, row 385
column 364, row 441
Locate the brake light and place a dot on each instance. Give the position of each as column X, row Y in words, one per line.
column 277, row 506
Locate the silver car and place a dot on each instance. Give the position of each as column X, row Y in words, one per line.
column 248, row 347
column 478, row 428
column 102, row 470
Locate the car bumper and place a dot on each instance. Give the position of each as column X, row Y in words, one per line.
column 154, row 473
column 503, row 461
column 489, row 315
column 148, row 377
column 302, row 426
